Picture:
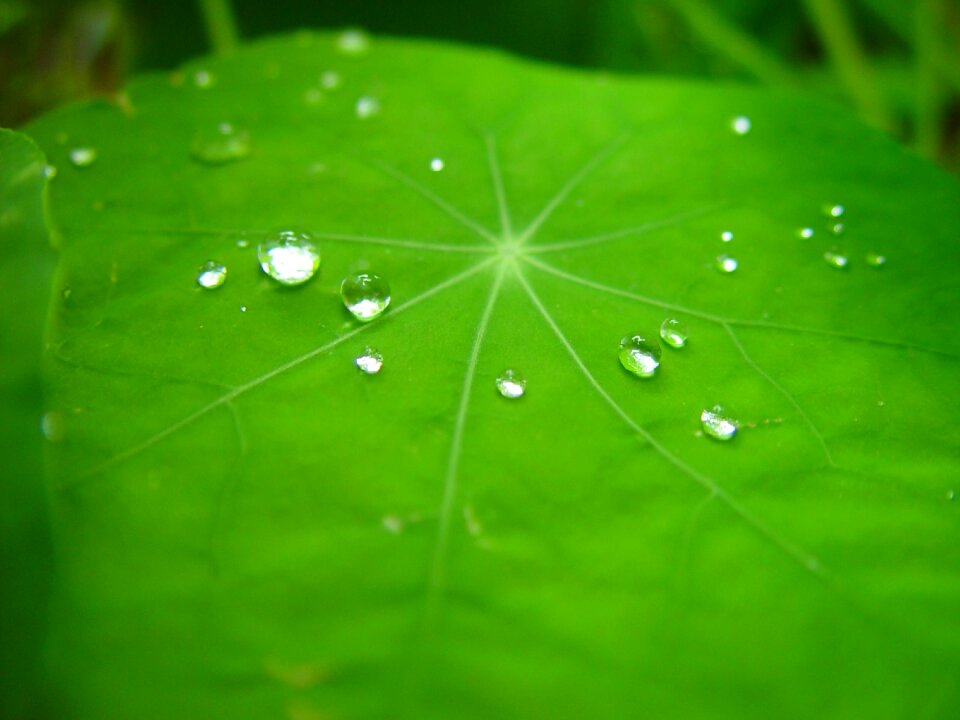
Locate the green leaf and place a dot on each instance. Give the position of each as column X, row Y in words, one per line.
column 25, row 271
column 247, row 526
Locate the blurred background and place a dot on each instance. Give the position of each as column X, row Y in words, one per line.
column 894, row 62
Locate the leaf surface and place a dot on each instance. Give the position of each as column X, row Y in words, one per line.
column 248, row 526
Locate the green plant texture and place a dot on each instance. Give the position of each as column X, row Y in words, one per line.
column 246, row 526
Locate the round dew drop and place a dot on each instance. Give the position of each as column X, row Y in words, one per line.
column 353, row 42
column 836, row 258
column 370, row 361
column 212, row 275
column 726, row 264
column 437, row 164
column 639, row 356
column 203, row 79
column 330, row 80
column 741, row 125
column 82, row 157
column 876, row 260
column 674, row 333
column 365, row 295
column 726, row 235
column 834, row 211
column 290, row 258
column 367, row 107
column 805, row 233
column 511, row 384
column 717, row 424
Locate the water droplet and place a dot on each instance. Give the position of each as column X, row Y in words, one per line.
column 437, row 164
column 330, row 80
column 203, row 79
column 243, row 243
column 392, row 524
column 876, row 260
column 353, row 42
column 313, row 96
column 717, row 424
column 726, row 264
column 674, row 332
column 49, row 172
column 741, row 125
column 222, row 144
column 511, row 384
column 290, row 258
column 212, row 275
column 365, row 295
column 836, row 258
column 834, row 211
column 639, row 355
column 83, row 156
column 369, row 361
column 51, row 425
column 805, row 233
column 837, row 228
column 243, row 308
column 367, row 107
column 952, row 495
column 726, row 235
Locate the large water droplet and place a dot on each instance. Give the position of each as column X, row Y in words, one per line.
column 674, row 332
column 437, row 164
column 726, row 264
column 212, row 275
column 837, row 258
column 369, row 361
column 290, row 258
column 639, row 355
column 717, row 424
column 367, row 107
column 82, row 157
column 511, row 384
column 221, row 144
column 365, row 295
column 353, row 41
column 876, row 260
column 741, row 125
column 726, row 235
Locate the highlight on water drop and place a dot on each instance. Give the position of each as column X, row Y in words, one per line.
column 212, row 275
column 741, row 125
column 718, row 424
column 353, row 41
column 726, row 264
column 221, row 144
column 370, row 361
column 365, row 295
column 640, row 356
column 836, row 258
column 437, row 164
column 367, row 106
column 290, row 257
column 82, row 157
column 511, row 384
column 876, row 260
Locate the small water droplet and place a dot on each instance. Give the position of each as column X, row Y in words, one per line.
column 353, row 41
column 726, row 235
column 367, row 107
column 717, row 424
column 837, row 258
column 726, row 264
column 640, row 356
column 837, row 228
column 221, row 144
column 204, row 79
column 49, row 172
column 369, row 361
column 674, row 332
column 243, row 308
column 805, row 233
column 365, row 295
column 834, row 211
column 330, row 80
column 952, row 495
column 52, row 427
column 437, row 164
column 876, row 260
column 290, row 258
column 511, row 384
column 212, row 275
column 392, row 524
column 313, row 96
column 243, row 243
column 741, row 125
column 83, row 156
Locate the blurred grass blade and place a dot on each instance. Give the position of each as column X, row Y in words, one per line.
column 832, row 22
column 725, row 38
column 221, row 26
column 929, row 16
